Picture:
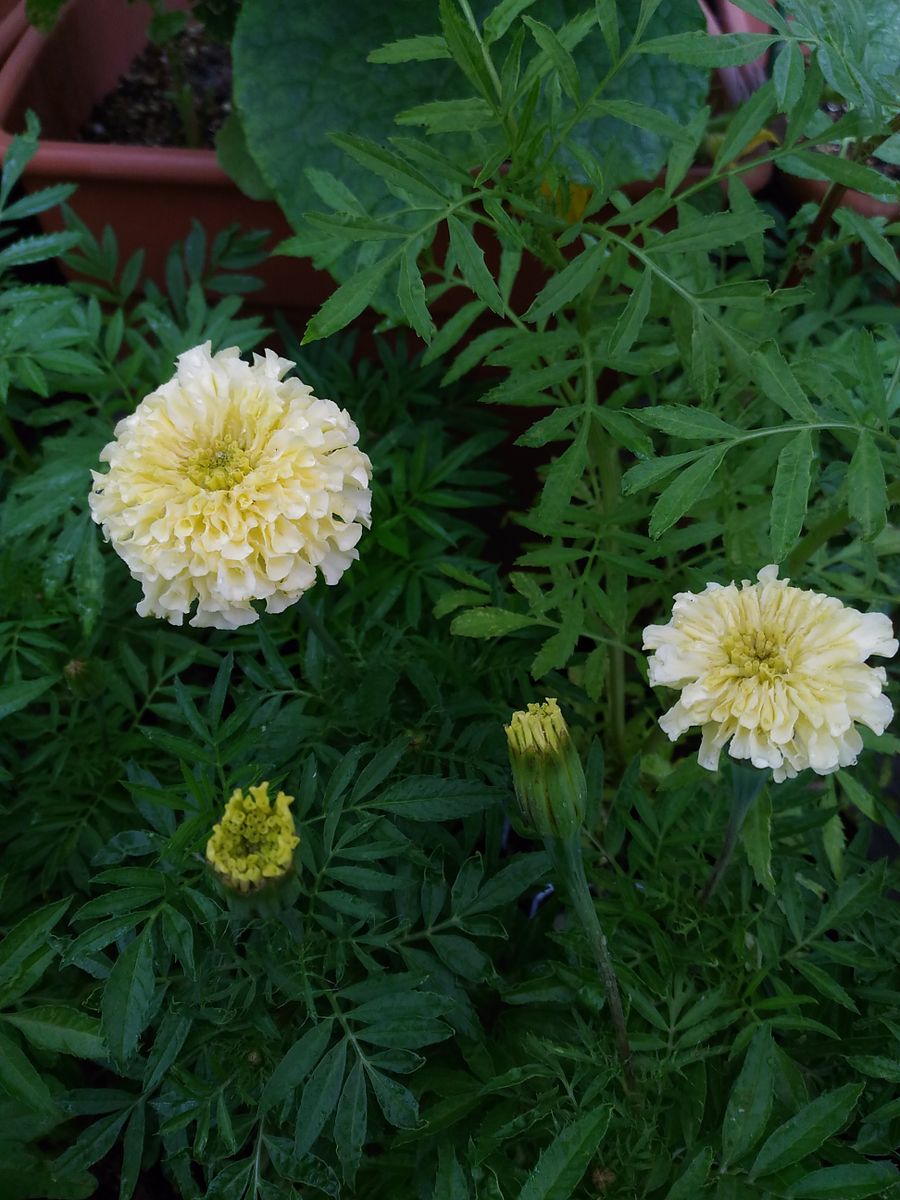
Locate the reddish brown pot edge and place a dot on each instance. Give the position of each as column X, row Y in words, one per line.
column 813, row 191
column 147, row 194
column 13, row 24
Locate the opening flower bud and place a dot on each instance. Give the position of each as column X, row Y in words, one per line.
column 546, row 769
column 254, row 842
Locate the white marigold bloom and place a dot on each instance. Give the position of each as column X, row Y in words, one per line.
column 777, row 672
column 230, row 484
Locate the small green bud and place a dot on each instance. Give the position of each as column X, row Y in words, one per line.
column 546, row 769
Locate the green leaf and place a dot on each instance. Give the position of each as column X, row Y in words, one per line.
column 411, row 294
column 399, row 1105
column 713, row 231
column 750, row 1102
column 705, row 50
column 351, row 1121
column 236, row 160
column 748, row 119
column 777, row 381
column 65, row 1030
column 608, row 20
column 15, row 696
column 509, row 883
column 501, row 17
column 561, row 1166
column 450, row 1183
column 756, row 835
column 852, row 898
column 814, row 164
column 560, row 58
column 805, row 1132
column 127, row 997
column 633, row 316
column 489, row 622
column 866, row 487
column 690, row 1184
column 296, row 1064
column 823, row 983
column 132, row 1151
column 562, row 479
column 30, row 935
column 412, row 49
column 645, row 474
column 320, row 1097
column 170, row 1037
column 788, row 71
column 21, row 1081
column 470, row 259
column 850, row 1181
column 563, row 286
column 874, row 241
column 685, row 490
column 345, row 304
column 790, row 494
column 876, row 1066
column 679, row 420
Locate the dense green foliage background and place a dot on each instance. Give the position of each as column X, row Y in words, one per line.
column 414, row 1014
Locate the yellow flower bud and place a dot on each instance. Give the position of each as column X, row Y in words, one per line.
column 255, row 840
column 547, row 771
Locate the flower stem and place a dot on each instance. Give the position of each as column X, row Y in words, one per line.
column 568, row 857
column 746, row 785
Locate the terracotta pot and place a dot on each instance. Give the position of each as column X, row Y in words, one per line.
column 813, row 191
column 148, row 195
column 13, row 24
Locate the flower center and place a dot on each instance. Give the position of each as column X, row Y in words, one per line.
column 756, row 654
column 219, row 466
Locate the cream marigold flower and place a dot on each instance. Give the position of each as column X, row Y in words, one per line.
column 254, row 841
column 231, row 484
column 776, row 671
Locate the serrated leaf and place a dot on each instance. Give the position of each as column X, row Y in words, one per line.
column 750, row 1102
column 807, row 1130
column 679, row 420
column 703, row 50
column 779, row 384
column 633, row 316
column 561, row 1166
column 61, row 1029
column 16, row 696
column 319, row 1097
column 411, row 294
column 470, row 259
column 345, row 304
column 823, row 982
column 690, row 1184
column 756, row 836
column 562, row 479
column 127, row 997
column 351, row 1121
column 19, row 1079
column 685, row 490
column 746, row 122
column 565, row 285
column 849, row 1181
column 790, row 494
column 489, row 622
column 866, row 487
column 788, row 71
column 421, row 48
column 397, row 1102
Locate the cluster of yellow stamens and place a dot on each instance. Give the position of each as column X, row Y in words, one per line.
column 255, row 840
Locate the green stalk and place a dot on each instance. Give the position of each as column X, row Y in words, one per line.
column 567, row 855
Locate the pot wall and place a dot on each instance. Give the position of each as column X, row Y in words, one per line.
column 149, row 195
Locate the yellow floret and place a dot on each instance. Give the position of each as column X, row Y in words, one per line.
column 254, row 841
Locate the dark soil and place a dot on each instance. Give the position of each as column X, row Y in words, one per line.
column 143, row 111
